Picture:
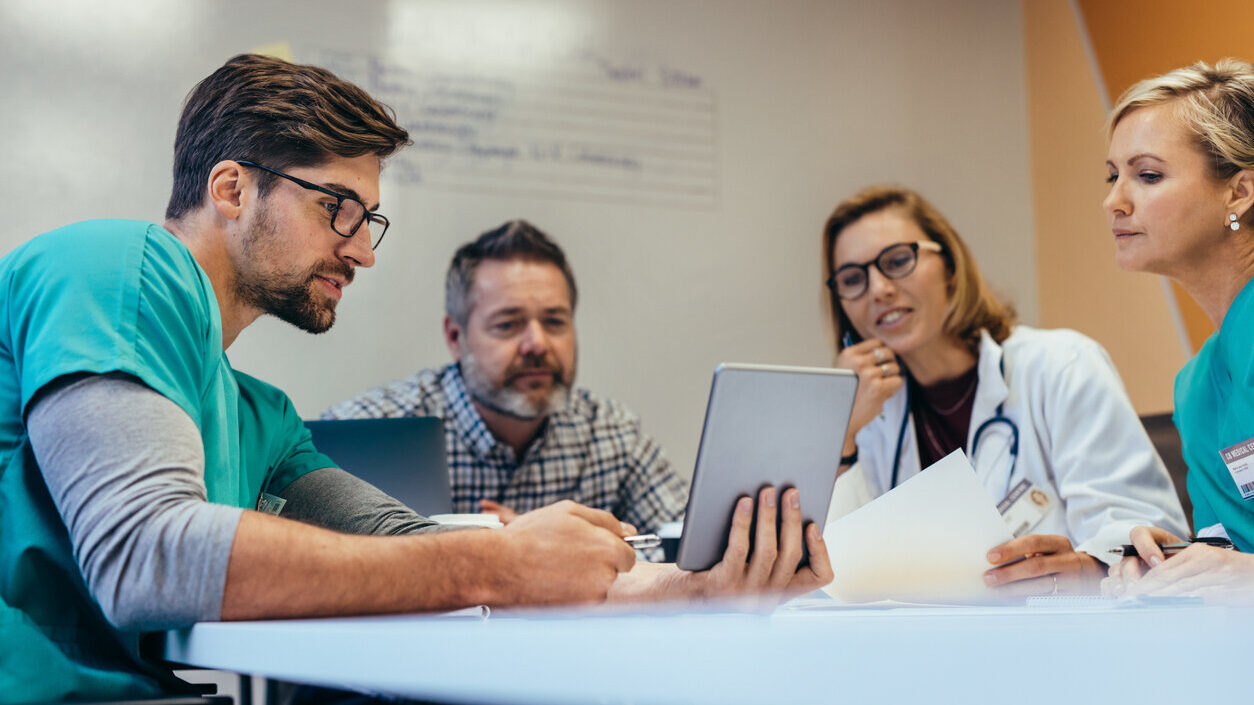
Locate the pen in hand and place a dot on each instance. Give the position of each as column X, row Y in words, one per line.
column 643, row 541
column 1171, row 549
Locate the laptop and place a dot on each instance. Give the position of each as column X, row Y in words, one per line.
column 403, row 457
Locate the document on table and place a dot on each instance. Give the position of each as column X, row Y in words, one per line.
column 924, row 541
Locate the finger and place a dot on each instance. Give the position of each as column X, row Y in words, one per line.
column 820, row 567
column 1146, row 540
column 765, row 541
column 864, row 346
column 1112, row 586
column 1186, row 585
column 790, row 538
column 883, row 353
column 502, row 512
column 624, row 556
column 1028, row 545
column 886, row 370
column 1129, row 570
column 860, row 354
column 1189, row 562
column 890, row 385
column 598, row 517
column 738, row 539
column 629, row 529
column 1023, row 570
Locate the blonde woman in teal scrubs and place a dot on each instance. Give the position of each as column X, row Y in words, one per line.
column 1181, row 204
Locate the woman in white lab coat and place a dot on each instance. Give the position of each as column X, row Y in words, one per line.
column 1042, row 414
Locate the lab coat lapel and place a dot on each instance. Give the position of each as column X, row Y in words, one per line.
column 894, row 412
column 991, row 456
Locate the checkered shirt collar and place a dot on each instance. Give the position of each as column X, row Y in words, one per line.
column 464, row 415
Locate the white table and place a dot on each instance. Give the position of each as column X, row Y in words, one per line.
column 945, row 655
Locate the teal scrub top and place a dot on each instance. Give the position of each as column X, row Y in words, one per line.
column 1214, row 410
column 98, row 297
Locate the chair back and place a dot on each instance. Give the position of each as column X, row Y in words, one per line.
column 1166, row 440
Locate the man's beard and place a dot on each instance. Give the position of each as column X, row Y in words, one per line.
column 509, row 401
column 288, row 297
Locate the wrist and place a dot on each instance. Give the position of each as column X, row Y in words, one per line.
column 688, row 585
column 490, row 565
column 849, row 457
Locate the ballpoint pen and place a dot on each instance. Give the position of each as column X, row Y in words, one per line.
column 643, row 541
column 1170, row 549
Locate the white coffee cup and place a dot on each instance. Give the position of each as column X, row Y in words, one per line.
column 487, row 521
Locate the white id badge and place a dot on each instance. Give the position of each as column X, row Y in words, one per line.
column 1240, row 461
column 1024, row 507
column 270, row 504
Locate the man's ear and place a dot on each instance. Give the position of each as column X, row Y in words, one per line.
column 1241, row 195
column 453, row 338
column 228, row 184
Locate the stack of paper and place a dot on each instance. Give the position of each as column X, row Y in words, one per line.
column 924, row 541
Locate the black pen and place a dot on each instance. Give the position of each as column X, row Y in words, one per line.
column 1171, row 549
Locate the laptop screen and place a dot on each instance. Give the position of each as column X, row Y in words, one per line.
column 403, row 457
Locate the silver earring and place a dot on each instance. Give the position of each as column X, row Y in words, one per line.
column 1232, row 222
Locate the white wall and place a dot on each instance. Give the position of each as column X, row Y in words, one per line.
column 814, row 99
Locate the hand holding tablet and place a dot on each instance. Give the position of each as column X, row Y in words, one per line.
column 766, row 428
column 771, row 563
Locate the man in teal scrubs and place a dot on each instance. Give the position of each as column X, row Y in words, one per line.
column 139, row 473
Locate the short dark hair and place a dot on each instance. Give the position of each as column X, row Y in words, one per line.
column 275, row 113
column 516, row 239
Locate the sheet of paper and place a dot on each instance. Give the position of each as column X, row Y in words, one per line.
column 924, row 541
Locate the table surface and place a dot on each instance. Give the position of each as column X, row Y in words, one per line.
column 725, row 654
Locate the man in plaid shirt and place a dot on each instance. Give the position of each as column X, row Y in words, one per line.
column 518, row 436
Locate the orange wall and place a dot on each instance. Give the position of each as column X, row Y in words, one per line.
column 1136, row 39
column 1079, row 285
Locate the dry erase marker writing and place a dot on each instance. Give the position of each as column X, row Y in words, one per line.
column 1171, row 549
column 644, row 541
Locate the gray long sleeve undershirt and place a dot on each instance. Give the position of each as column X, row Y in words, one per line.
column 125, row 467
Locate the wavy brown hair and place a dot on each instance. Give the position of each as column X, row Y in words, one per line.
column 972, row 306
column 275, row 113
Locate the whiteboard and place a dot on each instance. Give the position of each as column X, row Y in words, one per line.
column 704, row 250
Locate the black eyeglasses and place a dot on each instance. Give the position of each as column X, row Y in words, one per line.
column 348, row 213
column 894, row 262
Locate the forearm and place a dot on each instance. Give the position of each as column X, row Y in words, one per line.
column 280, row 568
column 334, row 499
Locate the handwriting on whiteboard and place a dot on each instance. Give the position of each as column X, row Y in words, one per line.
column 588, row 128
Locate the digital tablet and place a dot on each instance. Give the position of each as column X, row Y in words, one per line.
column 764, row 425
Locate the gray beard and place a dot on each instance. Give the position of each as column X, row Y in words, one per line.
column 506, row 401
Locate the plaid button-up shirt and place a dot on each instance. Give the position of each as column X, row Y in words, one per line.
column 592, row 452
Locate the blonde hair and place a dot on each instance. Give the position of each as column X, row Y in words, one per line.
column 1215, row 103
column 972, row 305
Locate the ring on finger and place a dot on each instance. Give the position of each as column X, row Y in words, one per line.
column 879, row 355
column 1055, row 590
column 885, row 369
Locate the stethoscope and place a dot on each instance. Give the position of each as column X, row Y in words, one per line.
column 999, row 417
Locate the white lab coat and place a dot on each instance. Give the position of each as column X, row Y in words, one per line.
column 1079, row 439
